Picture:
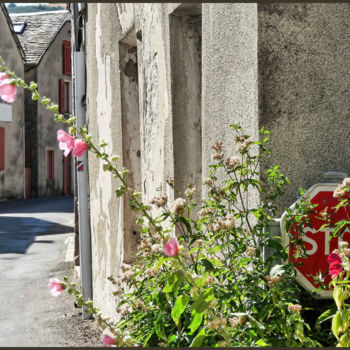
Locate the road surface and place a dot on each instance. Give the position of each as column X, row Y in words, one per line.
column 34, row 237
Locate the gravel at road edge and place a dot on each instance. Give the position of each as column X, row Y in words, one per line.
column 70, row 329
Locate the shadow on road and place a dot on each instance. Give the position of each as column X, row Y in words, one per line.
column 61, row 204
column 18, row 233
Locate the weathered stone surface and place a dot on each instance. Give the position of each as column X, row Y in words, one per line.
column 12, row 178
column 304, row 59
column 104, row 122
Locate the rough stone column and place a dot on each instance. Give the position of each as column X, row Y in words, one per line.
column 229, row 74
column 304, row 95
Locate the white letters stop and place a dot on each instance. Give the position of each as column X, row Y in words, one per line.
column 314, row 246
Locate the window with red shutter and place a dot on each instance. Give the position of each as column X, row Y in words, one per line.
column 50, row 164
column 2, row 149
column 66, row 57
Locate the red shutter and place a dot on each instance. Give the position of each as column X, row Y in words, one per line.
column 66, row 57
column 62, row 96
column 2, row 149
column 69, row 59
column 50, row 164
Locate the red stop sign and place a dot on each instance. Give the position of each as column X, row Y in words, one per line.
column 317, row 240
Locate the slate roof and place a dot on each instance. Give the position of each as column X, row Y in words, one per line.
column 41, row 29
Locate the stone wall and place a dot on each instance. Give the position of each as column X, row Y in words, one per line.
column 304, row 96
column 104, row 122
column 12, row 177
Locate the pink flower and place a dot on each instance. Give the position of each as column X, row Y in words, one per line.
column 56, row 286
column 171, row 248
column 107, row 340
column 80, row 147
column 66, row 142
column 335, row 265
column 7, row 90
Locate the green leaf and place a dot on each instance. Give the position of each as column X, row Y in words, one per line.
column 159, row 328
column 179, row 307
column 174, row 282
column 255, row 322
column 207, row 264
column 346, row 320
column 262, row 342
column 186, row 222
column 203, row 301
column 147, row 339
column 299, row 332
column 337, row 324
column 160, row 262
column 325, row 316
column 338, row 296
column 198, row 339
column 120, row 191
column 172, row 338
column 196, row 321
column 345, row 340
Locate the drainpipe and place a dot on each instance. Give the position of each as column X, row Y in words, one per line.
column 81, row 169
column 24, row 156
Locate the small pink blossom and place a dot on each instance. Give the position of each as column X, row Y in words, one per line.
column 171, row 248
column 107, row 340
column 80, row 147
column 65, row 142
column 56, row 286
column 7, row 90
column 335, row 265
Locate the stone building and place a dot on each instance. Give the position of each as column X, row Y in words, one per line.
column 11, row 117
column 45, row 39
column 165, row 81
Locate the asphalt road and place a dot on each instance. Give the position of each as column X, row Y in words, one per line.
column 33, row 247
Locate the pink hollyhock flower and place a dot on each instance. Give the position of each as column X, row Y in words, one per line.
column 65, row 142
column 171, row 248
column 335, row 265
column 7, row 90
column 56, row 286
column 80, row 147
column 107, row 340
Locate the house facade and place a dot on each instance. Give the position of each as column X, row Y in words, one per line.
column 11, row 117
column 45, row 38
column 165, row 81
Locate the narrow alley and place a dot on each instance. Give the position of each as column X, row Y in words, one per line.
column 36, row 244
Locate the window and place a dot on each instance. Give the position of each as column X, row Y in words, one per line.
column 2, row 149
column 66, row 57
column 5, row 112
column 50, row 164
column 19, row 27
column 65, row 105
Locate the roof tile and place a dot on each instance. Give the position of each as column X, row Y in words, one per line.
column 40, row 30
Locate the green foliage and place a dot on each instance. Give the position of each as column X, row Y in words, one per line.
column 218, row 291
